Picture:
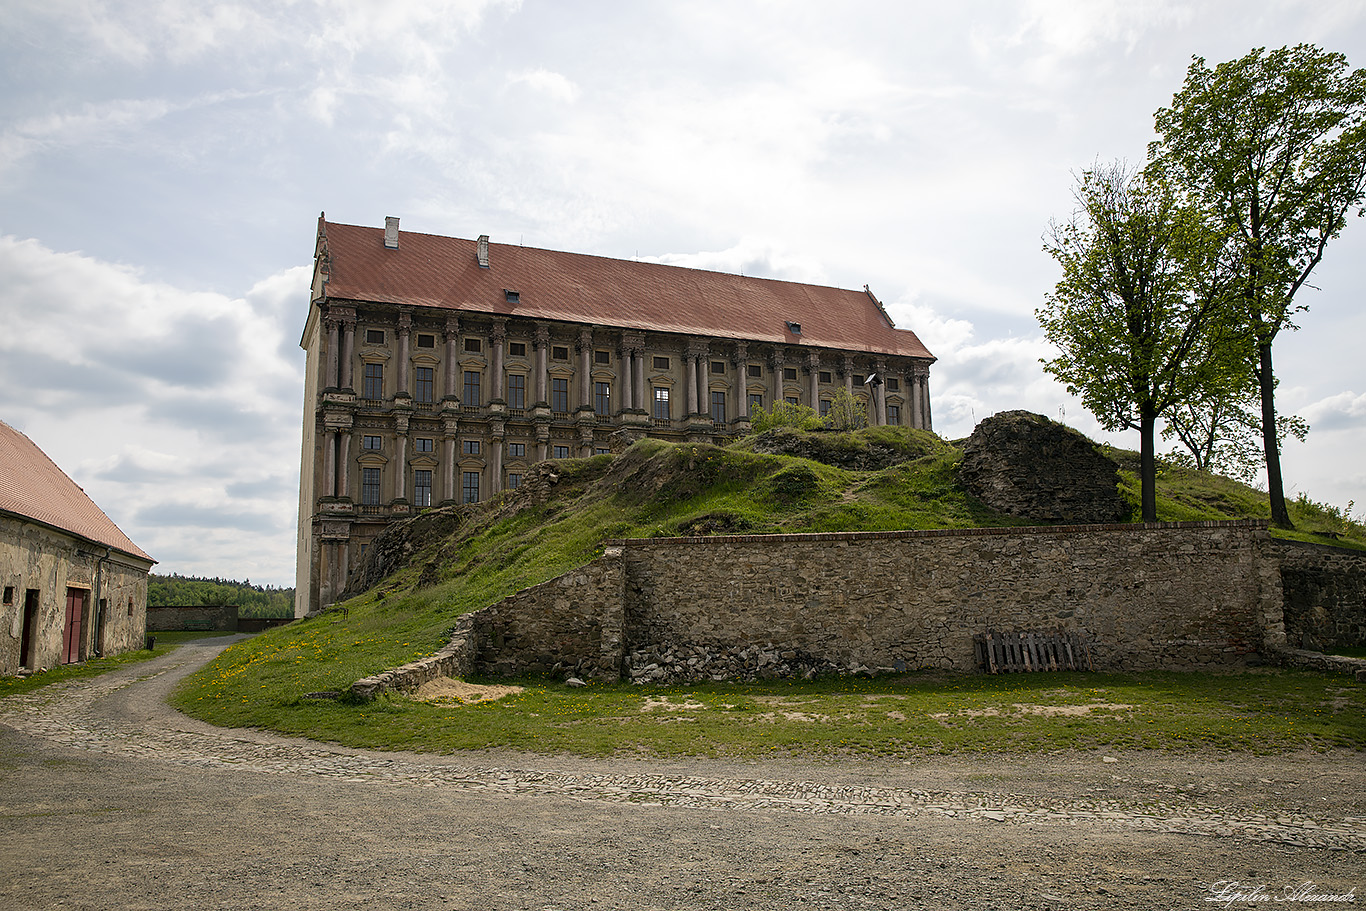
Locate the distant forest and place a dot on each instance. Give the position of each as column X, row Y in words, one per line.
column 191, row 591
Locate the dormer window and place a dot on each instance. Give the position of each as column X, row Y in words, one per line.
column 794, row 328
column 512, row 297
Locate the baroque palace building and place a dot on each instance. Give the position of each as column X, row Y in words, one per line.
column 440, row 369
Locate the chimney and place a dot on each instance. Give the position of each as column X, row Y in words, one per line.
column 483, row 251
column 391, row 232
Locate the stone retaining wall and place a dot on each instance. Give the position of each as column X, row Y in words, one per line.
column 1177, row 595
column 1325, row 595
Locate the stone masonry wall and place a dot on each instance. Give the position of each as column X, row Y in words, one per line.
column 1147, row 596
column 572, row 624
column 1325, row 595
column 1182, row 595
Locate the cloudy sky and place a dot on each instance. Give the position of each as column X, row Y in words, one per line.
column 163, row 164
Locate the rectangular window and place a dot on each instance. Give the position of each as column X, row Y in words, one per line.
column 560, row 452
column 422, row 488
column 859, row 379
column 755, row 403
column 369, row 486
column 602, row 450
column 516, row 450
column 718, row 366
column 469, row 487
column 425, row 340
column 516, row 349
column 602, row 398
column 370, row 442
column 374, row 336
column 559, row 394
column 516, row 391
column 514, row 480
column 789, row 373
column 422, row 384
column 373, row 383
column 661, row 363
column 472, row 396
column 559, row 352
column 424, row 444
column 718, row 407
column 474, row 345
column 755, row 370
column 825, row 407
column 662, row 402
column 471, row 447
column 894, row 414
column 825, row 377
column 893, row 385
column 602, row 357
column 9, row 594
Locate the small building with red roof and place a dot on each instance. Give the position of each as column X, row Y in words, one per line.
column 439, row 369
column 74, row 585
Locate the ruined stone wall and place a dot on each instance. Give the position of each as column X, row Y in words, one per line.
column 198, row 617
column 1148, row 596
column 1026, row 465
column 1325, row 595
column 1180, row 595
column 573, row 624
column 36, row 558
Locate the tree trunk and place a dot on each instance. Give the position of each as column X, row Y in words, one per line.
column 1266, row 381
column 1148, row 462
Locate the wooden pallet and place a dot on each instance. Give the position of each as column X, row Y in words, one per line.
column 1026, row 651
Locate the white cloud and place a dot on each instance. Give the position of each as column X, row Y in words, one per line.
column 554, row 85
column 1336, row 412
column 173, row 397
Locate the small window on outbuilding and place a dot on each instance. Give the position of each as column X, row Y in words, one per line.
column 130, row 607
column 9, row 594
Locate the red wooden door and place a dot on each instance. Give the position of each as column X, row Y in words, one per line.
column 71, row 634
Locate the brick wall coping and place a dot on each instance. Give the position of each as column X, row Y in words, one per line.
column 994, row 531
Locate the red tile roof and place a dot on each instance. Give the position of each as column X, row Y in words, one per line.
column 432, row 271
column 32, row 486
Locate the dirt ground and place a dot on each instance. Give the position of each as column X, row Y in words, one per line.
column 112, row 800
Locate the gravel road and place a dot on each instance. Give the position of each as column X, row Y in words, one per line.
column 112, row 800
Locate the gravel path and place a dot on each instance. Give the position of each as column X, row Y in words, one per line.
column 111, row 799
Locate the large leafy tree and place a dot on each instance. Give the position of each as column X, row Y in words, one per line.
column 1273, row 146
column 1137, row 317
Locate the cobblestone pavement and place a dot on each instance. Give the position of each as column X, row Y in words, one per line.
column 122, row 716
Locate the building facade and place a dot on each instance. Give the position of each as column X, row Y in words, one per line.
column 440, row 369
column 74, row 585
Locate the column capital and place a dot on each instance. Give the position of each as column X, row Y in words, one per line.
column 452, row 327
column 405, row 319
column 499, row 333
column 542, row 337
column 633, row 342
column 741, row 354
column 585, row 339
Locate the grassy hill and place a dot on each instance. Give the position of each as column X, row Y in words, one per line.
column 467, row 557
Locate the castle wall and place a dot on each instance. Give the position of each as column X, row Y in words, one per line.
column 1325, row 595
column 1181, row 595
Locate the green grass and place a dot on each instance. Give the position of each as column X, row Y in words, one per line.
column 165, row 642
column 653, row 489
column 909, row 716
